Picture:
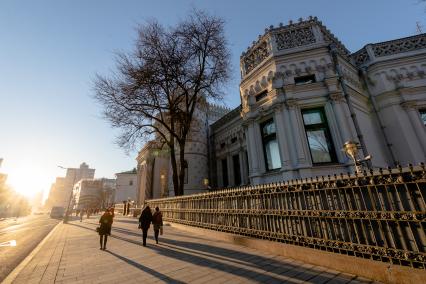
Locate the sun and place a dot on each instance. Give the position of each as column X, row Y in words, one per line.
column 28, row 179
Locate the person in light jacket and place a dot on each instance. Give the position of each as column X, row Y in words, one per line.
column 157, row 221
column 144, row 222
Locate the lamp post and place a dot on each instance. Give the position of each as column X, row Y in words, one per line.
column 67, row 212
column 206, row 183
column 351, row 149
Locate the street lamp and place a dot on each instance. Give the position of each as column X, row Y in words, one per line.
column 67, row 212
column 206, row 183
column 351, row 149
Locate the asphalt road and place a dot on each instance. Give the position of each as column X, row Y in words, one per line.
column 27, row 232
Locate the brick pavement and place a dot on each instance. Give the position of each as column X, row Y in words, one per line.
column 72, row 255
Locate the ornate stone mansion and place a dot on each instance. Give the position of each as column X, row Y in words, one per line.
column 303, row 95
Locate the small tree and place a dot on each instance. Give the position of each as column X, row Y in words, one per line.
column 156, row 88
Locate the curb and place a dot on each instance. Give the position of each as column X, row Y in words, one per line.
column 12, row 275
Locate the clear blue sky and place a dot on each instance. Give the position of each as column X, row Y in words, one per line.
column 50, row 51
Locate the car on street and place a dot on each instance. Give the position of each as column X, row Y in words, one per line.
column 57, row 212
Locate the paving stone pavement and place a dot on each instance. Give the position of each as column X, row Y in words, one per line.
column 72, row 255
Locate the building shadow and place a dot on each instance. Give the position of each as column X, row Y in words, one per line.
column 288, row 270
column 135, row 221
column 197, row 254
column 139, row 266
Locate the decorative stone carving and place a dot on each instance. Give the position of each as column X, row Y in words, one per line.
column 400, row 45
column 255, row 57
column 337, row 97
column 294, row 38
column 360, row 57
column 291, row 103
column 409, row 104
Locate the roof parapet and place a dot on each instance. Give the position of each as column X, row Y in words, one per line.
column 286, row 38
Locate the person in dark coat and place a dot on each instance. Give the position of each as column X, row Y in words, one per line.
column 105, row 228
column 144, row 222
column 157, row 221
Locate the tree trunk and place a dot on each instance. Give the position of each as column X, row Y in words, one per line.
column 174, row 167
column 182, row 167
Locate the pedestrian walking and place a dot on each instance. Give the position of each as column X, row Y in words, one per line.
column 105, row 228
column 144, row 222
column 157, row 221
column 81, row 215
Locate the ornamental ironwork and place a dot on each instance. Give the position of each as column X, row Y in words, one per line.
column 378, row 215
column 294, row 38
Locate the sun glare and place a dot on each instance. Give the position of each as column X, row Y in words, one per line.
column 28, row 179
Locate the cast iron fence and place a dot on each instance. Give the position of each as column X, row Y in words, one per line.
column 378, row 215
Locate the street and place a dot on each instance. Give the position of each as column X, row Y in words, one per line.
column 27, row 232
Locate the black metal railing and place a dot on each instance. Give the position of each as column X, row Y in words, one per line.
column 378, row 215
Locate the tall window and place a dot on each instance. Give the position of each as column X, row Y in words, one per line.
column 318, row 134
column 237, row 170
column 423, row 116
column 185, row 168
column 270, row 145
column 225, row 172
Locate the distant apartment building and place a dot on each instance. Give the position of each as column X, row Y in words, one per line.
column 93, row 193
column 57, row 194
column 60, row 191
column 126, row 186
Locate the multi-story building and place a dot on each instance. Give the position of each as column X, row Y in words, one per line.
column 93, row 194
column 60, row 191
column 303, row 95
column 126, row 186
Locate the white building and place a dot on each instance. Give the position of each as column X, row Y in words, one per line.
column 93, row 193
column 126, row 186
column 60, row 191
column 303, row 95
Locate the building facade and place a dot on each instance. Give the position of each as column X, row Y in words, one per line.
column 126, row 186
column 93, row 194
column 60, row 191
column 303, row 95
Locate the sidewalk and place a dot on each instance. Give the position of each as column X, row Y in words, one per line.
column 72, row 255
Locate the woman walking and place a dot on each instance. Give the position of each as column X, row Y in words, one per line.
column 105, row 228
column 157, row 221
column 144, row 222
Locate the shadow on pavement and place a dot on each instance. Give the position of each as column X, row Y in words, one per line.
column 145, row 269
column 193, row 252
column 135, row 221
column 265, row 264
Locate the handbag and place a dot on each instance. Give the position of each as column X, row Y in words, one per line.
column 161, row 230
column 98, row 229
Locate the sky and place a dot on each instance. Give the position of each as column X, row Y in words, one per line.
column 50, row 51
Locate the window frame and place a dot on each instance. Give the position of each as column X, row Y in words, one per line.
column 422, row 112
column 236, row 168
column 320, row 126
column 268, row 138
column 224, row 168
column 261, row 96
column 308, row 77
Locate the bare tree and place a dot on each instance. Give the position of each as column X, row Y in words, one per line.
column 157, row 87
